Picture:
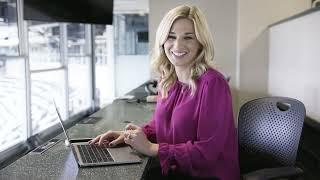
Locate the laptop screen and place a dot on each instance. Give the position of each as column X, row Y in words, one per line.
column 60, row 121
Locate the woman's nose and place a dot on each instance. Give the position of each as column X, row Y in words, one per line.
column 178, row 43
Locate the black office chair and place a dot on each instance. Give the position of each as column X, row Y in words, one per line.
column 269, row 131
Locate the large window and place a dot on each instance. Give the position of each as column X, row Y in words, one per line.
column 9, row 29
column 47, row 74
column 12, row 100
column 120, row 49
column 12, row 79
column 130, row 51
column 131, row 34
column 44, row 45
column 44, row 87
column 80, row 66
column 104, row 64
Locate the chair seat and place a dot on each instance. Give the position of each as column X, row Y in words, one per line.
column 272, row 173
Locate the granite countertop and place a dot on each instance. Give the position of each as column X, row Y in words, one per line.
column 58, row 162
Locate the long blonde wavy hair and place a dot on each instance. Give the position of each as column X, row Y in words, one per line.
column 202, row 62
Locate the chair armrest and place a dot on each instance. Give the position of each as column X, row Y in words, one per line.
column 270, row 173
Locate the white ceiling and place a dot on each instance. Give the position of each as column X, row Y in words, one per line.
column 131, row 6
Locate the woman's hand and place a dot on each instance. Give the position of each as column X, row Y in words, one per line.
column 131, row 126
column 135, row 137
column 112, row 138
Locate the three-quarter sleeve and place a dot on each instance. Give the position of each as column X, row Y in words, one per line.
column 215, row 142
column 150, row 131
column 149, row 128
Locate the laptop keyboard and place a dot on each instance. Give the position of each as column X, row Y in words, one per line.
column 94, row 154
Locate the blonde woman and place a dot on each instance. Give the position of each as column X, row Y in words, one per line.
column 192, row 131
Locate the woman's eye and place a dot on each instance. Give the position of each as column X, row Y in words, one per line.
column 171, row 37
column 188, row 38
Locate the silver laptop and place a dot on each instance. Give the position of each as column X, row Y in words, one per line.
column 91, row 155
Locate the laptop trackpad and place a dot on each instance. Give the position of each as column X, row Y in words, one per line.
column 124, row 154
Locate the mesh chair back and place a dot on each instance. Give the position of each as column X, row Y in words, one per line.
column 269, row 131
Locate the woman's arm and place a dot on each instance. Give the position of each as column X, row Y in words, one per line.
column 149, row 128
column 150, row 131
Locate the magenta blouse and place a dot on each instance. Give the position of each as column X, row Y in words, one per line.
column 196, row 134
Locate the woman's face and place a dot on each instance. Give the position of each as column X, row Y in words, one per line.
column 181, row 46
